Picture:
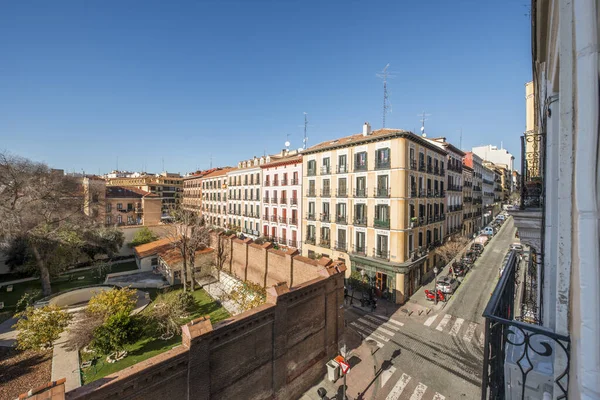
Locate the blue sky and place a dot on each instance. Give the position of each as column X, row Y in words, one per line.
column 82, row 83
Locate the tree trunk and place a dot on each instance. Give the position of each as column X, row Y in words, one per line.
column 44, row 273
column 192, row 271
column 184, row 269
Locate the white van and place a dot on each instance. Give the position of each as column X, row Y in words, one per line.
column 487, row 231
column 501, row 216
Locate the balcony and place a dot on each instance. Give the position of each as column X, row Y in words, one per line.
column 341, row 219
column 442, row 171
column 382, row 254
column 422, row 167
column 284, row 182
column 275, row 183
column 283, row 200
column 381, row 223
column 360, row 167
column 310, row 216
column 360, row 221
column 273, row 218
column 293, row 221
column 341, row 169
column 311, row 172
column 325, row 218
column 413, row 164
column 360, row 192
column 326, row 192
column 340, row 246
column 430, row 168
column 325, row 243
column 282, row 220
column 436, row 170
column 266, row 200
column 310, row 240
column 510, row 342
column 273, row 200
column 293, row 243
column 341, row 192
column 325, row 170
column 311, row 193
column 359, row 250
column 413, row 222
column 422, row 193
column 294, row 201
column 413, row 193
column 294, row 182
column 267, row 183
column 382, row 192
column 385, row 164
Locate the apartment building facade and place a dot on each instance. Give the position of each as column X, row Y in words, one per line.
column 488, row 176
column 376, row 200
column 494, row 154
column 244, row 197
column 468, row 226
column 192, row 190
column 167, row 186
column 214, row 198
column 120, row 206
column 454, row 186
column 475, row 162
column 282, row 200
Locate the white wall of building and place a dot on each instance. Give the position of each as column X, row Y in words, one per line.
column 495, row 155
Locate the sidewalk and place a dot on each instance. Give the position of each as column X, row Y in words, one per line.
column 65, row 363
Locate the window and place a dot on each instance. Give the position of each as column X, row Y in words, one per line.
column 383, row 189
column 129, row 220
column 341, row 212
column 361, row 187
column 382, row 158
column 326, row 188
column 311, row 188
column 360, row 243
column 108, row 207
column 119, row 206
column 326, row 169
column 325, row 213
column 382, row 246
column 312, row 167
column 410, row 243
column 119, row 219
column 325, row 236
column 360, row 161
column 311, row 232
column 341, row 239
column 342, row 187
column 108, row 219
column 360, row 214
column 342, row 164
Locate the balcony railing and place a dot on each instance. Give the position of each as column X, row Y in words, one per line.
column 381, row 223
column 382, row 192
column 293, row 243
column 360, row 250
column 325, row 243
column 413, row 164
column 341, row 192
column 310, row 240
column 326, row 192
column 341, row 169
column 360, row 167
column 311, row 172
column 265, row 217
column 325, row 170
column 275, row 183
column 532, row 167
column 283, row 200
column 324, row 217
column 360, row 192
column 294, row 182
column 293, row 221
column 381, row 253
column 360, row 221
column 273, row 218
column 310, row 216
column 282, row 220
column 266, row 200
column 284, row 182
column 294, row 201
column 341, row 246
column 382, row 164
column 341, row 219
column 521, row 346
column 311, row 193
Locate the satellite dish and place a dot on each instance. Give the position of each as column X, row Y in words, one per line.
column 287, row 143
column 422, row 128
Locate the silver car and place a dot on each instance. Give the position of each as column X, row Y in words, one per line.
column 447, row 285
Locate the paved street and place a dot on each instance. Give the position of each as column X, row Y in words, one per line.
column 430, row 356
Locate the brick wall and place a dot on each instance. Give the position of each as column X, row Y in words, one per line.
column 51, row 391
column 275, row 351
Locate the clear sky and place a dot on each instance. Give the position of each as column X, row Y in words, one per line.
column 82, row 82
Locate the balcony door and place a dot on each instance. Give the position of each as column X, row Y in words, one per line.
column 360, row 242
column 382, row 245
column 382, row 184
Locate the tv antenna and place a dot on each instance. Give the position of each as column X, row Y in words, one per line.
column 287, row 141
column 423, row 119
column 460, row 140
column 387, row 105
column 305, row 140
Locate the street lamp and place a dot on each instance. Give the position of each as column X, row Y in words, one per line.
column 435, row 272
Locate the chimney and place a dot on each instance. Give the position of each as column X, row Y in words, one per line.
column 366, row 129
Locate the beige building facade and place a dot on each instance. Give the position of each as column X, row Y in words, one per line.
column 468, row 225
column 376, row 200
column 214, row 197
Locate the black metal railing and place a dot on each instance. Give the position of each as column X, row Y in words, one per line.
column 381, row 223
column 383, row 254
column 341, row 192
column 360, row 192
column 360, row 250
column 532, row 168
column 341, row 219
column 324, row 217
column 382, row 164
column 413, row 164
column 341, row 246
column 326, row 192
column 524, row 345
column 341, row 169
column 382, row 192
column 310, row 240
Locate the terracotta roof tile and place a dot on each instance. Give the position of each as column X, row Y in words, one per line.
column 148, row 249
column 218, row 173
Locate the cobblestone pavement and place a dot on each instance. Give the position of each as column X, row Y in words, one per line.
column 429, row 356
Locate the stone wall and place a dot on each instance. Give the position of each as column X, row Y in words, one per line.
column 275, row 351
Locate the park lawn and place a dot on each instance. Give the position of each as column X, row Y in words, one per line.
column 148, row 347
column 59, row 284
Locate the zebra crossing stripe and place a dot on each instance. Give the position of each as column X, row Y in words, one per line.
column 387, row 374
column 386, row 324
column 438, row 397
column 470, row 332
column 381, row 317
column 443, row 323
column 456, row 327
column 368, row 334
column 374, row 326
column 371, row 331
column 430, row 320
column 419, row 392
column 398, row 388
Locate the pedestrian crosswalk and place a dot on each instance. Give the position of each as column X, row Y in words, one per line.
column 405, row 385
column 377, row 328
column 457, row 327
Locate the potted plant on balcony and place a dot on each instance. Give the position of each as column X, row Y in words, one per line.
column 413, row 221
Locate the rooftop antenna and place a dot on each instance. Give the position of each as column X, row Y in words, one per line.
column 211, row 158
column 460, row 141
column 287, row 142
column 423, row 119
column 386, row 101
column 305, row 140
column 163, row 164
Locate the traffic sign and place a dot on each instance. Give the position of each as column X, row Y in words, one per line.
column 344, row 366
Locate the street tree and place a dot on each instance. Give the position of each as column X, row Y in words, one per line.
column 222, row 251
column 113, row 301
column 42, row 223
column 451, row 248
column 191, row 234
column 39, row 327
column 115, row 333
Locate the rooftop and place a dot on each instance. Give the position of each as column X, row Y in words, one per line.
column 148, row 249
column 127, row 192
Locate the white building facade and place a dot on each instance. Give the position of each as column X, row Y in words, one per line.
column 214, row 198
column 244, row 194
column 488, row 176
column 495, row 155
column 282, row 200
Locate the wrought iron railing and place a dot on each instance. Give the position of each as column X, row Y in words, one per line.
column 528, row 346
column 532, row 170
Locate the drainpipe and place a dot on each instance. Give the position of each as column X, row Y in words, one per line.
column 586, row 226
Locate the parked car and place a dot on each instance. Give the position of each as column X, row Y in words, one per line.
column 517, row 246
column 488, row 230
column 501, row 217
column 460, row 268
column 447, row 284
column 478, row 247
column 469, row 258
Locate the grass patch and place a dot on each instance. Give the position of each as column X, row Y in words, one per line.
column 148, row 346
column 64, row 282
